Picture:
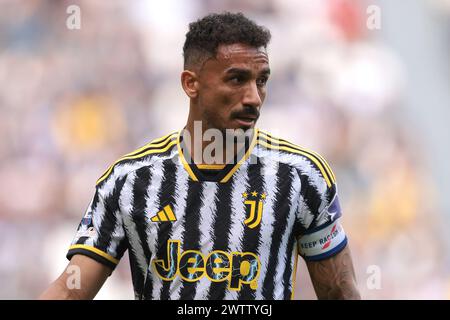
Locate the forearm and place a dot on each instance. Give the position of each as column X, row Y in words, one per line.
column 59, row 290
column 334, row 278
column 81, row 280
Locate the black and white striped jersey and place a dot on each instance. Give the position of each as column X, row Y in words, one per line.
column 209, row 231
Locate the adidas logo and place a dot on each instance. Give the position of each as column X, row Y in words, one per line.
column 164, row 215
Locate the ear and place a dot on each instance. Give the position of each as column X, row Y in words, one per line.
column 189, row 81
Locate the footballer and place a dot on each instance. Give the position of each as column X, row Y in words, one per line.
column 225, row 222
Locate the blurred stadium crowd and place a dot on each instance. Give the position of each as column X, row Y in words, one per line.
column 73, row 101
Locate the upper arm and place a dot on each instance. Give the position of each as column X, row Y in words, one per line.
column 82, row 279
column 321, row 239
column 101, row 234
column 334, row 277
column 98, row 245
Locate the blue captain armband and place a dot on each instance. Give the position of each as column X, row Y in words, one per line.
column 323, row 242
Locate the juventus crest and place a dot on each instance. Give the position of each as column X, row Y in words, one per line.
column 254, row 204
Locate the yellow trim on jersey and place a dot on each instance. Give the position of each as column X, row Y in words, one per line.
column 319, row 165
column 96, row 251
column 155, row 143
column 294, row 276
column 183, row 159
column 247, row 154
column 211, row 166
column 287, row 143
column 137, row 156
column 164, row 137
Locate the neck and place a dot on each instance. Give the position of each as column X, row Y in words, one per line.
column 207, row 145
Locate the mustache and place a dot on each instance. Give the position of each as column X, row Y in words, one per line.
column 247, row 112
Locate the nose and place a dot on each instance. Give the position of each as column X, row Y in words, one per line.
column 252, row 96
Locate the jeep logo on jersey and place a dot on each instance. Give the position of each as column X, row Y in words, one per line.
column 253, row 208
column 191, row 265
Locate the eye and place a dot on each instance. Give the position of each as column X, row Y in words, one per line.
column 237, row 80
column 261, row 82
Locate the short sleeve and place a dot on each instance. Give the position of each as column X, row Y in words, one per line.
column 100, row 234
column 321, row 234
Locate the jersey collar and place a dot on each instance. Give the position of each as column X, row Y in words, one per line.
column 215, row 173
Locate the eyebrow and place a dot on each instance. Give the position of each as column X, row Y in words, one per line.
column 265, row 71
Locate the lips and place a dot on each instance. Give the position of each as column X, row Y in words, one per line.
column 247, row 117
column 246, row 120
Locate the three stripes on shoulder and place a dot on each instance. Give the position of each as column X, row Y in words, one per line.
column 156, row 146
column 166, row 142
column 271, row 142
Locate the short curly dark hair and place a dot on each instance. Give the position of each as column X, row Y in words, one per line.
column 206, row 34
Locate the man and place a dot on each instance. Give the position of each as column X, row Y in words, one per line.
column 230, row 228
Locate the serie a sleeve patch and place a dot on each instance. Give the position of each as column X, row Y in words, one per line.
column 323, row 243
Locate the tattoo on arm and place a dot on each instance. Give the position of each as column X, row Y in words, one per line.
column 334, row 278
